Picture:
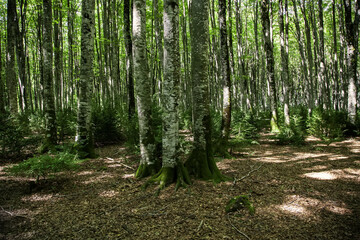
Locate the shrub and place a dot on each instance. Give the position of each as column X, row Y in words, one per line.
column 293, row 134
column 244, row 125
column 43, row 165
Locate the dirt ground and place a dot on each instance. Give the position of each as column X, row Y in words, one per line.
column 307, row 192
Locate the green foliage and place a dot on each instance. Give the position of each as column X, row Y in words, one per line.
column 43, row 165
column 245, row 125
column 66, row 121
column 15, row 135
column 293, row 134
column 328, row 124
column 240, row 202
column 106, row 124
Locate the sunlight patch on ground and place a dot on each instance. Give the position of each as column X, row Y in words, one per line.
column 38, row 197
column 318, row 167
column 100, row 178
column 306, row 207
column 347, row 173
column 321, row 175
column 125, row 176
column 85, row 173
column 110, row 193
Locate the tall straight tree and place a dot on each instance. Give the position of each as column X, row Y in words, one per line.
column 352, row 38
column 172, row 169
column 201, row 162
column 225, row 74
column 129, row 59
column 49, row 103
column 149, row 165
column 284, row 58
column 2, row 87
column 268, row 46
column 11, row 82
column 84, row 136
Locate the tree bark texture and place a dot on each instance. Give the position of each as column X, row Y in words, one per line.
column 148, row 163
column 49, row 106
column 11, row 82
column 84, row 129
column 268, row 46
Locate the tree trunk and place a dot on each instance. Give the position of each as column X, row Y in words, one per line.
column 84, row 136
column 352, row 38
column 2, row 87
column 148, row 163
column 11, row 82
column 49, row 106
column 335, row 57
column 172, row 170
column 57, row 49
column 322, row 73
column 201, row 162
column 268, row 46
column 225, row 74
column 129, row 60
column 284, row 58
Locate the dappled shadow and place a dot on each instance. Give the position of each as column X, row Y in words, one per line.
column 309, row 192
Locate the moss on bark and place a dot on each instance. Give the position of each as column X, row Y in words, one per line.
column 168, row 175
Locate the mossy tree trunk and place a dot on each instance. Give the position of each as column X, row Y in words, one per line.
column 268, row 46
column 201, row 162
column 172, row 169
column 84, row 137
column 11, row 82
column 148, row 163
column 49, row 102
column 225, row 75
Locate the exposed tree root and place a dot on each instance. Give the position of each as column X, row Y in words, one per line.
column 168, row 175
column 203, row 166
column 145, row 170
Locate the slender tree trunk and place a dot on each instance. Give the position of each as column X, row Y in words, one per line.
column 225, row 74
column 336, row 65
column 352, row 38
column 322, row 73
column 201, row 162
column 284, row 58
column 49, row 106
column 2, row 87
column 268, row 46
column 84, row 136
column 304, row 66
column 310, row 60
column 129, row 59
column 148, row 163
column 57, row 54
column 342, row 77
column 11, row 82
column 70, row 20
column 172, row 170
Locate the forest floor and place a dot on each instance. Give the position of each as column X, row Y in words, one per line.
column 305, row 192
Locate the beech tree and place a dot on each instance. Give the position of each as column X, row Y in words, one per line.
column 148, row 163
column 11, row 82
column 49, row 106
column 352, row 40
column 172, row 169
column 201, row 161
column 84, row 136
column 268, row 46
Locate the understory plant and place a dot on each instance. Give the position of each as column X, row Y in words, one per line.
column 43, row 165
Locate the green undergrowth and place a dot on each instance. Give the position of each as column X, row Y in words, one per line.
column 44, row 165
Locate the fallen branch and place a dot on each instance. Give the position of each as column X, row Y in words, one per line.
column 200, row 225
column 246, row 236
column 247, row 175
column 121, row 163
column 12, row 214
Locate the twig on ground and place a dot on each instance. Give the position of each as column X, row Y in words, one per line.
column 111, row 159
column 247, row 175
column 246, row 236
column 200, row 225
column 11, row 214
